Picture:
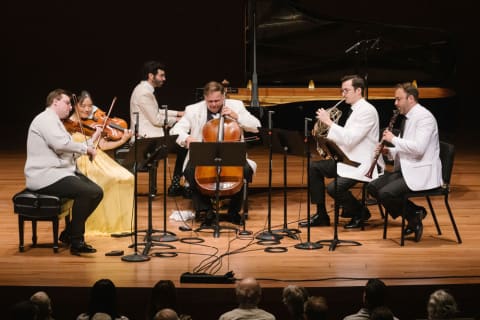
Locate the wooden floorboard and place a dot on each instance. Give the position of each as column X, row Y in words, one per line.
column 435, row 260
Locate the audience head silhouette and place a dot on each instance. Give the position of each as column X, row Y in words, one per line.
column 24, row 310
column 166, row 314
column 248, row 293
column 42, row 300
column 103, row 298
column 374, row 294
column 441, row 305
column 294, row 297
column 163, row 295
column 316, row 308
column 381, row 313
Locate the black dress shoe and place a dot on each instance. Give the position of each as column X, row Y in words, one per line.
column 418, row 231
column 417, row 217
column 64, row 237
column 82, row 247
column 317, row 220
column 355, row 222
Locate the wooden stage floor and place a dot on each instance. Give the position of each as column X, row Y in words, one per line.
column 437, row 260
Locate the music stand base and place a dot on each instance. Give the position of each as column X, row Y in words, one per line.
column 165, row 237
column 136, row 257
column 245, row 233
column 335, row 242
column 268, row 236
column 309, row 245
column 286, row 232
column 216, row 229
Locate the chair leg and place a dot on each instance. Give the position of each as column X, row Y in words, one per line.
column 364, row 205
column 55, row 235
column 452, row 219
column 385, row 221
column 404, row 214
column 434, row 216
column 34, row 232
column 21, row 246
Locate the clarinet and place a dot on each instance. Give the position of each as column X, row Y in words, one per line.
column 382, row 145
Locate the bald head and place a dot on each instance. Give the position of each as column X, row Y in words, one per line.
column 248, row 293
column 166, row 314
column 42, row 300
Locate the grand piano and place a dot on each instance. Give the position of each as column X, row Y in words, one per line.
column 295, row 57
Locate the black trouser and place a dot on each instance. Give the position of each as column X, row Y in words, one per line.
column 203, row 203
column 319, row 170
column 389, row 189
column 86, row 196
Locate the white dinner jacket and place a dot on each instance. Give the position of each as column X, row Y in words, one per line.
column 195, row 117
column 417, row 153
column 358, row 139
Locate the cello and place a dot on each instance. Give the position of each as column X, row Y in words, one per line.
column 223, row 129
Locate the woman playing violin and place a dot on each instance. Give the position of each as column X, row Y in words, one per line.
column 114, row 212
column 115, row 131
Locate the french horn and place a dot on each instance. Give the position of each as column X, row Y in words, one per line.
column 320, row 129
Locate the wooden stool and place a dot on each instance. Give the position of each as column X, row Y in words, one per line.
column 32, row 206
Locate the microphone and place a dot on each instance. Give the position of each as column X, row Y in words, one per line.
column 353, row 47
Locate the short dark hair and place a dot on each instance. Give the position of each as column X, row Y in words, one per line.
column 152, row 67
column 357, row 81
column 409, row 88
column 375, row 292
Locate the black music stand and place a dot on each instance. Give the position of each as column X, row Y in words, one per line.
column 308, row 245
column 217, row 154
column 150, row 151
column 286, row 142
column 337, row 155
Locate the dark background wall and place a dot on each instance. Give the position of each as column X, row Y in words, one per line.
column 101, row 45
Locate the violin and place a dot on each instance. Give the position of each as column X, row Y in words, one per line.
column 113, row 128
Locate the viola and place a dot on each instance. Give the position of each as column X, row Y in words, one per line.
column 113, row 128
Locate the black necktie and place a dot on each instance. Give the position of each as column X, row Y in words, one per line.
column 402, row 126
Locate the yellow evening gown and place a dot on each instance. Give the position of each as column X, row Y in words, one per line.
column 114, row 213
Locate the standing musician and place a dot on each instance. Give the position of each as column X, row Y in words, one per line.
column 357, row 139
column 189, row 129
column 51, row 169
column 114, row 213
column 151, row 119
column 416, row 155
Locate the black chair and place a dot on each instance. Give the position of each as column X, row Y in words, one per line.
column 34, row 207
column 447, row 155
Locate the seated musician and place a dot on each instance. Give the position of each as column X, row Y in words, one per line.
column 114, row 213
column 189, row 129
column 357, row 139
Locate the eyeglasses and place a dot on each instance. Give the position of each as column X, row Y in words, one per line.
column 346, row 90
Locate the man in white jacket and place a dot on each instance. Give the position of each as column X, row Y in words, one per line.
column 416, row 155
column 357, row 139
column 189, row 129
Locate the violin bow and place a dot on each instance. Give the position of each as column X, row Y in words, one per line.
column 106, row 119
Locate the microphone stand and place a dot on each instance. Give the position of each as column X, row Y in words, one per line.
column 166, row 236
column 268, row 235
column 308, row 245
column 135, row 257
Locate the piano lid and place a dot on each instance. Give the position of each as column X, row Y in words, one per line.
column 296, row 43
